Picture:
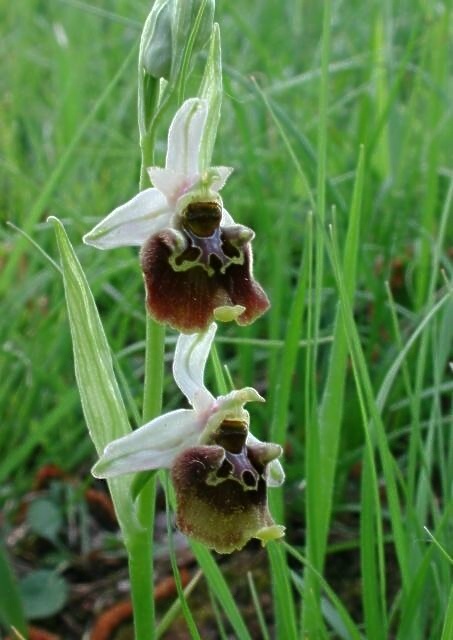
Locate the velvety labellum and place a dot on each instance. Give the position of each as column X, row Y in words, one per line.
column 221, row 489
column 191, row 271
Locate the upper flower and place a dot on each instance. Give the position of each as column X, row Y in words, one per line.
column 219, row 470
column 155, row 209
column 195, row 259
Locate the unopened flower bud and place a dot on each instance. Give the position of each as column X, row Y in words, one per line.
column 156, row 44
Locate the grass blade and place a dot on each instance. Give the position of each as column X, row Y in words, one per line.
column 447, row 631
column 345, row 618
column 220, row 589
column 331, row 410
column 53, row 180
column 375, row 431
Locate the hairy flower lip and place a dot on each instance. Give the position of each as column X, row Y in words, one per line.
column 187, row 299
column 221, row 498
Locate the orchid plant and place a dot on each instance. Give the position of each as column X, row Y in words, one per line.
column 197, row 266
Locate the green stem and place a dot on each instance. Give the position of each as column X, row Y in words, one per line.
column 140, row 546
column 140, row 552
column 154, row 369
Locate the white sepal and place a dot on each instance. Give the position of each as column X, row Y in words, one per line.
column 153, row 446
column 132, row 223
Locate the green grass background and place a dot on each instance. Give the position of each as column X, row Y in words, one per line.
column 337, row 118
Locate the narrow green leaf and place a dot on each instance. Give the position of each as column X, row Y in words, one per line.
column 331, row 410
column 284, row 383
column 375, row 431
column 325, row 442
column 447, row 631
column 312, row 620
column 258, row 608
column 346, row 619
column 410, row 610
column 395, row 367
column 438, row 71
column 220, row 589
column 374, row 610
column 439, row 546
column 175, row 609
column 380, row 161
column 103, row 407
column 285, row 615
column 281, row 588
column 191, row 625
column 294, row 156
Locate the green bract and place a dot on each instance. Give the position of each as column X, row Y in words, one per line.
column 103, row 407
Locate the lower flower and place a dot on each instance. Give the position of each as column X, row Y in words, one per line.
column 220, row 471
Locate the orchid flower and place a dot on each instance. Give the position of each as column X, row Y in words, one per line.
column 220, row 471
column 196, row 261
